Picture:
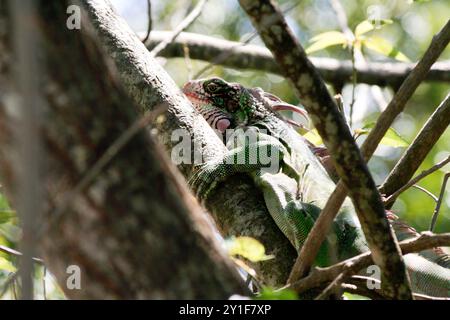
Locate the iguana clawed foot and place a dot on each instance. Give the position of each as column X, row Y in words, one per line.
column 203, row 181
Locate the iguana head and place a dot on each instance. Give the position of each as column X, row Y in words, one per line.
column 224, row 105
column 227, row 105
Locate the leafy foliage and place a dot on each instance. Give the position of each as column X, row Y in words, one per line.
column 391, row 139
column 375, row 43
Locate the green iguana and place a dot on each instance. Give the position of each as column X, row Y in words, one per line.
column 295, row 185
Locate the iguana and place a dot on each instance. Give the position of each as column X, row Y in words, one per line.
column 297, row 186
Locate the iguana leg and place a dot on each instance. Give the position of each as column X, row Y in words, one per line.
column 243, row 159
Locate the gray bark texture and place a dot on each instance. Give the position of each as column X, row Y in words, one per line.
column 329, row 122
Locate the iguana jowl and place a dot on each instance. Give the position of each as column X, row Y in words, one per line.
column 299, row 186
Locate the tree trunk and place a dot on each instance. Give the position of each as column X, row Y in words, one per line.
column 132, row 227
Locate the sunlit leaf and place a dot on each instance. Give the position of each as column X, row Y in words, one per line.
column 382, row 46
column 248, row 248
column 3, row 202
column 313, row 137
column 391, row 139
column 350, row 296
column 325, row 40
column 5, row 265
column 366, row 26
column 271, row 294
column 363, row 27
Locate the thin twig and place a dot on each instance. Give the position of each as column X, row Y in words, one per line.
column 439, row 202
column 44, row 289
column 13, row 287
column 354, row 81
column 362, row 291
column 18, row 254
column 9, row 281
column 427, row 192
column 417, row 179
column 330, row 289
column 224, row 55
column 416, row 153
column 187, row 61
column 343, row 24
column 190, row 18
column 149, row 23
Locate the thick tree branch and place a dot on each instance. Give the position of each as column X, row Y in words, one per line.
column 236, row 208
column 331, row 125
column 239, row 55
column 326, row 218
column 418, row 150
column 358, row 285
column 320, row 276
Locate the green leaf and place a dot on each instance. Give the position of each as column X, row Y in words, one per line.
column 3, row 202
column 6, row 215
column 350, row 296
column 6, row 265
column 10, row 231
column 363, row 27
column 325, row 40
column 313, row 137
column 270, row 294
column 392, row 138
column 382, row 46
column 369, row 25
column 248, row 248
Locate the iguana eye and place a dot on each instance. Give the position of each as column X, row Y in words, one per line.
column 212, row 87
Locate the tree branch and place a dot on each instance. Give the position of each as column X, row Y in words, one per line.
column 358, row 285
column 439, row 202
column 417, row 151
column 326, row 218
column 240, row 55
column 149, row 21
column 235, row 207
column 419, row 177
column 320, row 276
column 331, row 126
column 116, row 229
column 190, row 18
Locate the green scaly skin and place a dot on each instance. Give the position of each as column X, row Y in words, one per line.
column 299, row 186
